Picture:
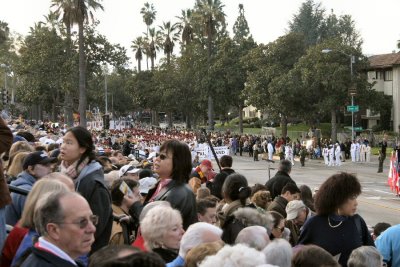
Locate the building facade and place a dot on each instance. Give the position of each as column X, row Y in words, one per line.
column 384, row 72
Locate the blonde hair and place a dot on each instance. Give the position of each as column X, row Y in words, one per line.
column 15, row 166
column 197, row 254
column 39, row 190
column 20, row 146
column 156, row 223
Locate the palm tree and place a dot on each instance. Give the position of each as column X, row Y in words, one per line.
column 138, row 46
column 170, row 34
column 149, row 15
column 186, row 26
column 155, row 42
column 67, row 9
column 211, row 16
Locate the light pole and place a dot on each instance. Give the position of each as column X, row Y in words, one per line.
column 351, row 91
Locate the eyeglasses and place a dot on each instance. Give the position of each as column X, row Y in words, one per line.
column 83, row 222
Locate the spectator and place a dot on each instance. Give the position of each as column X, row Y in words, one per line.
column 261, row 200
column 336, row 204
column 200, row 175
column 147, row 259
column 162, row 232
column 278, row 226
column 281, row 178
column 196, row 234
column 66, row 226
column 202, row 193
column 365, row 256
column 110, row 253
column 36, row 165
column 379, row 228
column 206, row 211
column 388, row 243
column 238, row 255
column 6, row 139
column 41, row 188
column 313, row 256
column 15, row 167
column 173, row 165
column 219, row 179
column 78, row 162
column 307, row 197
column 197, row 254
column 297, row 215
column 253, row 236
column 279, row 253
column 289, row 192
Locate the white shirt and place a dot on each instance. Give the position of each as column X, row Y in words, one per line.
column 43, row 243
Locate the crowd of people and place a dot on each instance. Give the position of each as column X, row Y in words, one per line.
column 142, row 197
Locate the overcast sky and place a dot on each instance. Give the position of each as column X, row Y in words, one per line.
column 121, row 21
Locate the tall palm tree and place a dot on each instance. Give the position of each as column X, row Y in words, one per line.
column 170, row 35
column 149, row 15
column 155, row 42
column 186, row 26
column 138, row 46
column 67, row 9
column 211, row 16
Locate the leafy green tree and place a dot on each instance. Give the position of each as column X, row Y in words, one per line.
column 170, row 35
column 309, row 21
column 186, row 27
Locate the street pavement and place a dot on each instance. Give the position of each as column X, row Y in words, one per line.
column 376, row 203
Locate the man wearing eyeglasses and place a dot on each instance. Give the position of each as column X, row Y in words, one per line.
column 66, row 225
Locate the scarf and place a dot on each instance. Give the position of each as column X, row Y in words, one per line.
column 72, row 170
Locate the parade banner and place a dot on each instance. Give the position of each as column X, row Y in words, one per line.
column 204, row 151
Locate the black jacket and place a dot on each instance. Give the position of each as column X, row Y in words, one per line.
column 276, row 183
column 216, row 186
column 42, row 258
column 92, row 188
column 181, row 197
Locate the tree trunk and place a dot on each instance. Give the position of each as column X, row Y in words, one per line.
column 210, row 113
column 334, row 128
column 241, row 118
column 170, row 120
column 82, row 77
column 188, row 122
column 68, row 101
column 210, row 99
column 139, row 65
column 284, row 126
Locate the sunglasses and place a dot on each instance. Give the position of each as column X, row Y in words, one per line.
column 83, row 222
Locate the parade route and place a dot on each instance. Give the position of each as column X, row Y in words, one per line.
column 377, row 203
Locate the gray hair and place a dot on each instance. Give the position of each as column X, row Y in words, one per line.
column 365, row 256
column 285, row 166
column 196, row 234
column 151, row 205
column 250, row 216
column 49, row 210
column 254, row 236
column 238, row 255
column 278, row 252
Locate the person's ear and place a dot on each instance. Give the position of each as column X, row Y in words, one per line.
column 53, row 231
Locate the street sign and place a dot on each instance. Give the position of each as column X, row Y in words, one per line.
column 358, row 128
column 352, row 108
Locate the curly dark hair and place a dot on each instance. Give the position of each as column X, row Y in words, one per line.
column 335, row 191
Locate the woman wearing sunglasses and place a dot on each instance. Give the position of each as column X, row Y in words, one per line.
column 173, row 166
column 78, row 162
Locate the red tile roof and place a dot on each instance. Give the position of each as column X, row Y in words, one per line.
column 384, row 61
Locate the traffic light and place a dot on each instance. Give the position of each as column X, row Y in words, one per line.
column 4, row 97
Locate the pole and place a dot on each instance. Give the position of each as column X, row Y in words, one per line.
column 352, row 118
column 105, row 89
